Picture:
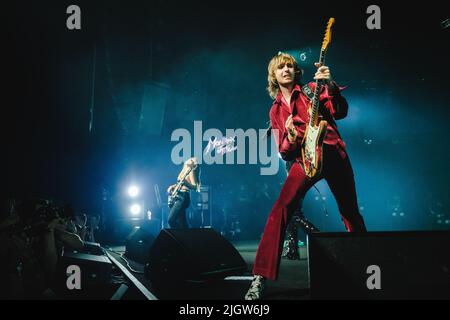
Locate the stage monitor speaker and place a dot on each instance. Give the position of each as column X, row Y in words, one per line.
column 192, row 254
column 379, row 265
column 89, row 273
column 139, row 241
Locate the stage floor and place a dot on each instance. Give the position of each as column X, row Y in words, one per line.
column 292, row 283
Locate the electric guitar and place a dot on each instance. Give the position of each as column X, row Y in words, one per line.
column 174, row 195
column 312, row 152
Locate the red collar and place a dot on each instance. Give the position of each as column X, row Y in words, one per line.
column 296, row 88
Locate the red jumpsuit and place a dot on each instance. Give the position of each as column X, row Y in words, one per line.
column 336, row 170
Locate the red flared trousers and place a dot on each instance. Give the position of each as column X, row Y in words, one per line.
column 338, row 173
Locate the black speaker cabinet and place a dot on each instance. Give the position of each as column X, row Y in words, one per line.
column 92, row 271
column 192, row 254
column 380, row 265
column 139, row 241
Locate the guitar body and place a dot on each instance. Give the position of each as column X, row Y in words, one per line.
column 172, row 200
column 312, row 151
column 175, row 194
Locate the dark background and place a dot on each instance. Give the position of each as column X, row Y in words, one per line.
column 213, row 56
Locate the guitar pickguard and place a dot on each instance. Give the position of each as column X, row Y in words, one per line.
column 311, row 143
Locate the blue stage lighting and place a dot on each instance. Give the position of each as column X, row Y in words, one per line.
column 135, row 209
column 133, row 191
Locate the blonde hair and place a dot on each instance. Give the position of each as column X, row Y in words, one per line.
column 195, row 172
column 275, row 62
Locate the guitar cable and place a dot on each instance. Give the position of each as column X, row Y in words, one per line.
column 323, row 201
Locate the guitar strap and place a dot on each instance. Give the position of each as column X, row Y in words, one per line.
column 307, row 91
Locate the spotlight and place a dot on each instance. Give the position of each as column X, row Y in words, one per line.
column 133, row 191
column 135, row 209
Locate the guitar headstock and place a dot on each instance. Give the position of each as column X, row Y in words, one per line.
column 327, row 38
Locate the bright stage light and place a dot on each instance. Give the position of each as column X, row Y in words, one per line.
column 135, row 209
column 133, row 191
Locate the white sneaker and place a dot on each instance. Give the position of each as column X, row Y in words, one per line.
column 256, row 288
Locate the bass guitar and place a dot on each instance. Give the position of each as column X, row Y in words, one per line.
column 174, row 194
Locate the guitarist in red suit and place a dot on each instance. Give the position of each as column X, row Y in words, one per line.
column 289, row 115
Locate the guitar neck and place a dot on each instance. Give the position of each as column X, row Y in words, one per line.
column 315, row 103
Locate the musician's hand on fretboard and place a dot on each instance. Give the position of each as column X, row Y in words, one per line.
column 169, row 190
column 322, row 73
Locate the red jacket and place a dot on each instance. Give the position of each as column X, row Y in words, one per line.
column 332, row 107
